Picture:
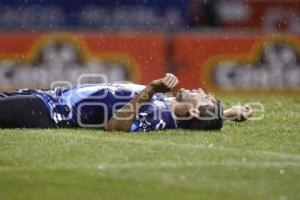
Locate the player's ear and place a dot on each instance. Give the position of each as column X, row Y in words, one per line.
column 193, row 112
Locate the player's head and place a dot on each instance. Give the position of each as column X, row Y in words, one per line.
column 200, row 111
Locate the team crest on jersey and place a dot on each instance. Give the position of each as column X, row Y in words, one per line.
column 159, row 104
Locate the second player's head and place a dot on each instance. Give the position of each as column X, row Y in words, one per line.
column 198, row 110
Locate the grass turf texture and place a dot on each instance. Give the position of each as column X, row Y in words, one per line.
column 252, row 160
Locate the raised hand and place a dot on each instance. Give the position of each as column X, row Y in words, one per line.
column 238, row 113
column 164, row 84
column 242, row 113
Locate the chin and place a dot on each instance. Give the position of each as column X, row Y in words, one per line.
column 180, row 94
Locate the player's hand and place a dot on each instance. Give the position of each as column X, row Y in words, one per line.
column 166, row 84
column 242, row 113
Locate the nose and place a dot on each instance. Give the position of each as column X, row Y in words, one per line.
column 201, row 91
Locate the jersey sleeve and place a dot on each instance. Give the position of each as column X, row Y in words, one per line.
column 147, row 122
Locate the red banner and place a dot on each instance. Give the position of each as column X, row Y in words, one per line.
column 216, row 62
column 31, row 60
column 235, row 63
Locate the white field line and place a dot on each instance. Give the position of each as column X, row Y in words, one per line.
column 206, row 146
column 193, row 146
column 167, row 165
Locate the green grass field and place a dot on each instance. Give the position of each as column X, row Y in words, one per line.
column 251, row 160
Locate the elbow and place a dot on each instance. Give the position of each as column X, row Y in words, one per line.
column 115, row 127
column 109, row 127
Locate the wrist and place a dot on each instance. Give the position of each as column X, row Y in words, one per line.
column 147, row 93
column 151, row 89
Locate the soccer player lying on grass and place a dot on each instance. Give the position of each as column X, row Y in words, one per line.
column 117, row 107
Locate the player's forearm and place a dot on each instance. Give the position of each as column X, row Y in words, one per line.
column 238, row 113
column 230, row 114
column 123, row 118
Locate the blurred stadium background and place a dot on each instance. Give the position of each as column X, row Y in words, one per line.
column 223, row 46
column 237, row 47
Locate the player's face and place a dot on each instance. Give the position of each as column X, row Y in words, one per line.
column 195, row 97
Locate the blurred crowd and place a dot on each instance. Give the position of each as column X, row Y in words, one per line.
column 264, row 15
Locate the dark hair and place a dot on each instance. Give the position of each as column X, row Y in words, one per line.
column 215, row 121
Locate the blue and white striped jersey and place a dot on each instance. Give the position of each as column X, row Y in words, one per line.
column 92, row 105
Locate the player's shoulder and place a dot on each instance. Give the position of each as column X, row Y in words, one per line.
column 112, row 86
column 116, row 90
column 115, row 85
column 128, row 86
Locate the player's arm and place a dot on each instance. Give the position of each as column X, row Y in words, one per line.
column 238, row 113
column 123, row 118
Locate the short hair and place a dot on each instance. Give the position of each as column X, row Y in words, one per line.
column 213, row 121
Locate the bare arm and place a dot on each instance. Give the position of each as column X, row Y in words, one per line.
column 123, row 118
column 238, row 113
